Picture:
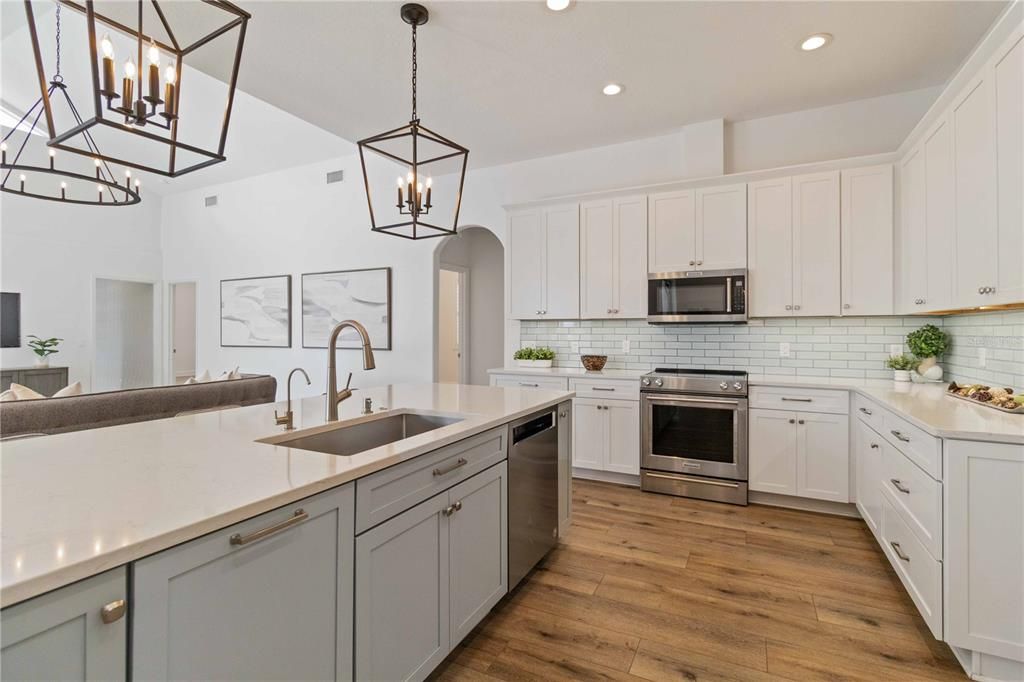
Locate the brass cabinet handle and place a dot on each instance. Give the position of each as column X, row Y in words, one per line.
column 898, row 484
column 297, row 517
column 900, row 436
column 113, row 612
column 899, row 552
column 441, row 471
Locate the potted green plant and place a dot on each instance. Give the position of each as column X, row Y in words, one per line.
column 43, row 348
column 927, row 344
column 534, row 357
column 901, row 365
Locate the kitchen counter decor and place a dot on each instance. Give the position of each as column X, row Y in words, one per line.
column 534, row 357
column 593, row 363
column 1002, row 399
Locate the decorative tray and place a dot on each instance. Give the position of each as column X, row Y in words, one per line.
column 1019, row 410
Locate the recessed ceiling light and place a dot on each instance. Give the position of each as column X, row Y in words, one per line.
column 612, row 89
column 813, row 42
column 558, row 5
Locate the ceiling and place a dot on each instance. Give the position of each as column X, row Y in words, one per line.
column 513, row 80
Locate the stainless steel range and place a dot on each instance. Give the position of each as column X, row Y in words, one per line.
column 693, row 434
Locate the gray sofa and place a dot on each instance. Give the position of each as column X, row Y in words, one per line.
column 96, row 410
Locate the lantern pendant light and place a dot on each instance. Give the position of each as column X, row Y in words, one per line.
column 412, row 152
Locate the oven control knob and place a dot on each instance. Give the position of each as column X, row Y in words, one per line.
column 645, row 381
column 738, row 386
column 658, row 382
column 723, row 385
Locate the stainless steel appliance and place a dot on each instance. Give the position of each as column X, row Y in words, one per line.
column 697, row 296
column 532, row 491
column 693, row 426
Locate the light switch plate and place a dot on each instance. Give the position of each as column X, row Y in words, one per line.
column 982, row 356
column 784, row 349
column 625, row 345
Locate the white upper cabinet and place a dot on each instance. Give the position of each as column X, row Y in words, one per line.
column 722, row 227
column 671, row 234
column 613, row 258
column 703, row 229
column 867, row 241
column 939, row 219
column 1008, row 77
column 913, row 233
column 816, row 244
column 544, row 262
column 770, row 227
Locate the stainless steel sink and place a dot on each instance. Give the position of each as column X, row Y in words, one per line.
column 366, row 435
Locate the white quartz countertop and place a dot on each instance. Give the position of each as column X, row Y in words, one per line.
column 926, row 405
column 77, row 504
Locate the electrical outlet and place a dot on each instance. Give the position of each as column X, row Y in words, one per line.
column 625, row 345
column 784, row 349
column 575, row 347
column 895, row 349
column 982, row 356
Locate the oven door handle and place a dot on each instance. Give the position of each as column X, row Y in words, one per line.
column 686, row 479
column 705, row 401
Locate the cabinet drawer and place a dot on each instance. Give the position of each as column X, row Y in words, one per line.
column 869, row 412
column 920, row 574
column 389, row 492
column 923, row 450
column 916, row 496
column 802, row 399
column 617, row 389
column 532, row 381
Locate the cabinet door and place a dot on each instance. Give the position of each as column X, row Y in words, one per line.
column 597, row 259
column 590, row 428
column 867, row 241
column 565, row 440
column 722, row 227
column 526, row 251
column 936, row 246
column 823, row 456
column 770, row 236
column 561, row 262
column 402, row 627
column 913, row 256
column 671, row 234
column 1008, row 78
column 631, row 257
column 478, row 541
column 623, row 448
column 816, row 244
column 773, row 451
column 61, row 636
column 222, row 607
column 868, row 453
column 974, row 186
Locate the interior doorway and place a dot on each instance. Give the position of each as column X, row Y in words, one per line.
column 452, row 353
column 183, row 331
column 125, row 322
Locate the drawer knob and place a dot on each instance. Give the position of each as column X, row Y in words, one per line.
column 899, row 551
column 112, row 612
column 899, row 486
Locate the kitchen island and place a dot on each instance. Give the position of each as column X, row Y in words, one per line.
column 158, row 497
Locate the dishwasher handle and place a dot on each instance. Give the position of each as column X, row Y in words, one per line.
column 533, row 427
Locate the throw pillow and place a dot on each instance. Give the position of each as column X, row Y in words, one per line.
column 69, row 390
column 8, row 396
column 25, row 393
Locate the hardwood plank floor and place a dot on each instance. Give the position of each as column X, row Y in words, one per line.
column 650, row 587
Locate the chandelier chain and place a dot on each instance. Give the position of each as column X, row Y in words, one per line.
column 58, row 77
column 414, row 72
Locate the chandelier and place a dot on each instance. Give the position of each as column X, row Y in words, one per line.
column 413, row 150
column 140, row 105
column 19, row 175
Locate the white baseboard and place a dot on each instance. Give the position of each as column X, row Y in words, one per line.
column 804, row 504
column 607, row 476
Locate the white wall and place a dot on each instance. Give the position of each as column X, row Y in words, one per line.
column 183, row 321
column 52, row 253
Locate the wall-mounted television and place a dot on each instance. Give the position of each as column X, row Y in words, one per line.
column 10, row 320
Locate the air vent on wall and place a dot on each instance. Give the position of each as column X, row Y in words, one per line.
column 211, row 201
column 335, row 176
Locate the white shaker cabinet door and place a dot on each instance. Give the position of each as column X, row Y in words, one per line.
column 590, row 429
column 671, row 234
column 816, row 244
column 561, row 263
column 722, row 227
column 526, row 261
column 939, row 218
column 597, row 259
column 867, row 241
column 773, row 448
column 770, row 237
column 1008, row 77
column 868, row 447
column 631, row 257
column 61, row 635
column 913, row 256
column 823, row 456
column 623, row 454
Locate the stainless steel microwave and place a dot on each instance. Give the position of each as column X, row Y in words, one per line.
column 709, row 296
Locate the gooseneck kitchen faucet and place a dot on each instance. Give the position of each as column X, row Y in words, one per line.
column 334, row 396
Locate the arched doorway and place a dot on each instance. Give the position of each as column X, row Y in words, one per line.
column 469, row 320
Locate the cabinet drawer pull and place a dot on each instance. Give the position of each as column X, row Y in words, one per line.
column 460, row 462
column 900, row 436
column 797, row 400
column 898, row 484
column 523, row 383
column 899, row 552
column 866, row 411
column 602, row 388
column 298, row 517
column 112, row 612
column 874, row 446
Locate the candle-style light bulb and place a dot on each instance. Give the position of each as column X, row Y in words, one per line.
column 107, row 46
column 3, row 152
column 97, row 162
column 430, row 184
column 53, row 153
column 170, row 75
column 99, row 188
column 22, row 179
column 129, row 68
column 153, row 54
column 63, row 190
column 108, row 67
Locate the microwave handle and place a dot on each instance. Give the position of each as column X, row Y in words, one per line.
column 728, row 294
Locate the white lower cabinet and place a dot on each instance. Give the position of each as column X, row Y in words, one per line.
column 426, row 577
column 920, row 573
column 805, row 454
column 607, row 435
column 867, row 446
column 228, row 605
column 63, row 635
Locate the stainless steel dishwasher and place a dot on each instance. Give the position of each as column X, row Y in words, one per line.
column 532, row 491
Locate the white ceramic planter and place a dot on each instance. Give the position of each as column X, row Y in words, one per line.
column 901, row 374
column 42, row 362
column 536, row 364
